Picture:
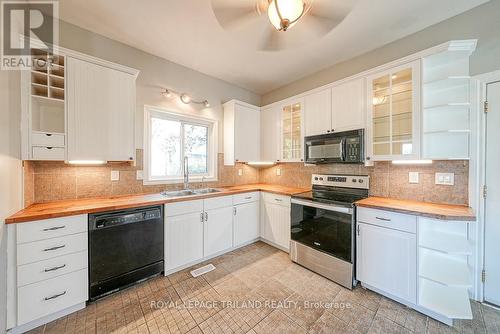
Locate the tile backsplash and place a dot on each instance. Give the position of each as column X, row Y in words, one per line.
column 386, row 179
column 48, row 181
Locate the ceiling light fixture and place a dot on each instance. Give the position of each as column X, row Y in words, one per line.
column 283, row 14
column 184, row 97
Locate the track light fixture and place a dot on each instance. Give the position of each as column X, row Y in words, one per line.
column 184, row 97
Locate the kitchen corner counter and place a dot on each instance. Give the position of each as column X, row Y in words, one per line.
column 65, row 208
column 424, row 209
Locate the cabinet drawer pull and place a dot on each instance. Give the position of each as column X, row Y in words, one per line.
column 53, row 228
column 249, row 197
column 48, row 134
column 278, row 200
column 54, row 248
column 55, row 296
column 383, row 219
column 54, row 269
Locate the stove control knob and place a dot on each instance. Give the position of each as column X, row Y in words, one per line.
column 361, row 181
column 354, row 180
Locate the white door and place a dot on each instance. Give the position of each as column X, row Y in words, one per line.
column 218, row 230
column 318, row 113
column 270, row 120
column 348, row 106
column 183, row 240
column 492, row 216
column 387, row 260
column 246, row 223
column 276, row 224
column 87, row 110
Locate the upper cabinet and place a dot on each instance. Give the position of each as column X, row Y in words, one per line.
column 292, row 137
column 394, row 113
column 318, row 113
column 100, row 110
column 78, row 108
column 270, row 124
column 241, row 132
column 348, row 105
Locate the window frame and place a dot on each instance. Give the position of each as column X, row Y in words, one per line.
column 212, row 145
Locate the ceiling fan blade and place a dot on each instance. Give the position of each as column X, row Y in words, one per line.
column 323, row 17
column 272, row 40
column 232, row 14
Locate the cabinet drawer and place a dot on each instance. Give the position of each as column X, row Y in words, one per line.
column 48, row 153
column 392, row 220
column 51, row 228
column 276, row 199
column 218, row 202
column 47, row 139
column 50, row 248
column 182, row 208
column 43, row 270
column 245, row 198
column 43, row 298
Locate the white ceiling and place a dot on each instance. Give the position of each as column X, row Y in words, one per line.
column 187, row 32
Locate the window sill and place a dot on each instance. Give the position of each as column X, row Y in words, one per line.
column 194, row 179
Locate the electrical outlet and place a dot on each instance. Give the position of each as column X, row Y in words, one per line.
column 413, row 177
column 278, row 171
column 115, row 175
column 240, row 172
column 138, row 175
column 445, row 179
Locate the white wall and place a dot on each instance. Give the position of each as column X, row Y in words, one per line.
column 10, row 170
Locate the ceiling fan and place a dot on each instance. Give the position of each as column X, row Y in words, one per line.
column 283, row 23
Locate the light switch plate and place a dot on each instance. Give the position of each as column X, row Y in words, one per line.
column 115, row 175
column 413, row 177
column 240, row 172
column 138, row 175
column 445, row 179
column 278, row 171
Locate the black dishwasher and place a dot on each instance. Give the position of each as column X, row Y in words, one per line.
column 125, row 247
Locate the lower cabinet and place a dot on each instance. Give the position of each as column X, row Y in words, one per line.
column 275, row 219
column 387, row 260
column 218, row 225
column 246, row 223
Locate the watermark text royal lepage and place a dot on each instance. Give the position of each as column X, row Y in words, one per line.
column 28, row 25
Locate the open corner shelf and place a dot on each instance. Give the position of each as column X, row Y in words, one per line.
column 451, row 302
column 448, row 243
column 444, row 269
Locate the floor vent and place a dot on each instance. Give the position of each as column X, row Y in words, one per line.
column 203, row 270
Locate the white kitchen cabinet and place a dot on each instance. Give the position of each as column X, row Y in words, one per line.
column 241, row 132
column 387, row 260
column 100, row 112
column 292, row 131
column 275, row 220
column 183, row 239
column 318, row 113
column 394, row 114
column 246, row 223
column 218, row 225
column 348, row 106
column 270, row 125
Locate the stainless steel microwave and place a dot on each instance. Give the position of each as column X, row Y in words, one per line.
column 339, row 147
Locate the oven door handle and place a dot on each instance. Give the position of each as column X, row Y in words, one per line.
column 322, row 206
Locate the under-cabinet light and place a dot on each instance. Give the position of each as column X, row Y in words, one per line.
column 86, row 162
column 261, row 163
column 412, row 162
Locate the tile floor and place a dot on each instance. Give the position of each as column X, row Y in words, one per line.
column 256, row 290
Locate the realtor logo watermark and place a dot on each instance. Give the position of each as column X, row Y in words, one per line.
column 27, row 26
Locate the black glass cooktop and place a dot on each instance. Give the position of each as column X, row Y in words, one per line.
column 337, row 197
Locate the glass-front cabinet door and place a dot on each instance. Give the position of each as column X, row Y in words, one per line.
column 394, row 113
column 291, row 131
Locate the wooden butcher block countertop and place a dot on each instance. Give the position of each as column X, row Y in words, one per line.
column 424, row 209
column 91, row 205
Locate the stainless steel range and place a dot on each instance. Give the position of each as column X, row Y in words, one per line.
column 323, row 226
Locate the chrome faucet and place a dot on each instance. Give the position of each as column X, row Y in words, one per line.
column 186, row 173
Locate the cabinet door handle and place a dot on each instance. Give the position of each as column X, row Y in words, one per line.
column 234, row 211
column 383, row 219
column 55, row 268
column 55, row 296
column 53, row 248
column 206, row 216
column 201, row 217
column 357, row 229
column 53, row 228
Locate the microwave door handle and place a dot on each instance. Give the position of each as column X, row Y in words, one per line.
column 342, row 149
